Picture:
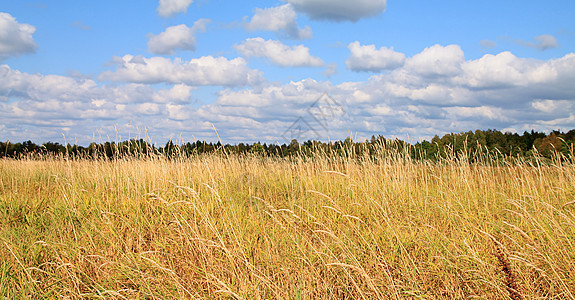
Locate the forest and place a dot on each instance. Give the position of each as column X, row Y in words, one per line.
column 473, row 143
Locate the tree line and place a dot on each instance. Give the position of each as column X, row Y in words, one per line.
column 472, row 143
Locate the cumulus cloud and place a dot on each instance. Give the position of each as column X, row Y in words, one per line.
column 168, row 8
column 549, row 106
column 16, row 84
column 15, row 38
column 42, row 88
column 542, row 42
column 495, row 71
column 180, row 112
column 339, row 10
column 265, row 114
column 434, row 92
column 206, row 70
column 437, row 61
column 281, row 19
column 532, row 77
column 178, row 94
column 368, row 58
column 478, row 113
column 278, row 53
column 45, row 106
column 180, row 37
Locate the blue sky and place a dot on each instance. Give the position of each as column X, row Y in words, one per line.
column 260, row 70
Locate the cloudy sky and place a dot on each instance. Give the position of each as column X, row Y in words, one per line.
column 271, row 70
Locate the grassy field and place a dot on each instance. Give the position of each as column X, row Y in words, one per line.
column 250, row 227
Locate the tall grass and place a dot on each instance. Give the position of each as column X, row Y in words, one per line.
column 252, row 227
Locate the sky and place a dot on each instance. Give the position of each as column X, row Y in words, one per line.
column 271, row 71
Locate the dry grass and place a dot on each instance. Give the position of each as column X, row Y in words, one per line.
column 249, row 227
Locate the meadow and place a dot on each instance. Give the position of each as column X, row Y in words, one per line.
column 302, row 227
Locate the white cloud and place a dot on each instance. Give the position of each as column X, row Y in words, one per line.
column 339, row 10
column 180, row 112
column 44, row 106
column 368, row 58
column 16, row 84
column 128, row 93
column 505, row 70
column 281, row 19
column 495, row 91
column 264, row 114
column 15, row 38
column 179, row 93
column 555, row 123
column 433, row 94
column 170, row 7
column 437, row 61
column 147, row 108
column 206, row 70
column 359, row 96
column 279, row 53
column 381, row 110
column 478, row 113
column 45, row 88
column 180, row 37
column 495, row 71
column 546, row 106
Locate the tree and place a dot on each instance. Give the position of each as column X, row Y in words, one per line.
column 293, row 147
column 54, row 148
column 549, row 145
column 257, row 148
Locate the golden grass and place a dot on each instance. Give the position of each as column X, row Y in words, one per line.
column 249, row 227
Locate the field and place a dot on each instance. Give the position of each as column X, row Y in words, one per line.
column 322, row 227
